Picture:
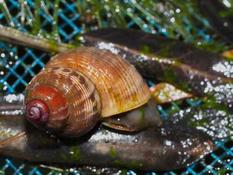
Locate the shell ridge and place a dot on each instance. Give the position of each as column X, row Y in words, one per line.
column 129, row 96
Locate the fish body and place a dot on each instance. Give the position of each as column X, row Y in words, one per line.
column 172, row 145
column 194, row 70
column 169, row 146
column 165, row 148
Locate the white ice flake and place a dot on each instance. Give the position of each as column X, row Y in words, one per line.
column 108, row 46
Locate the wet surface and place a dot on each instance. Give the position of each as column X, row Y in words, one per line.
column 161, row 148
column 194, row 70
column 218, row 124
column 177, row 143
column 11, row 104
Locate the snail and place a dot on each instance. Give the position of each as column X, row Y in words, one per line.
column 81, row 87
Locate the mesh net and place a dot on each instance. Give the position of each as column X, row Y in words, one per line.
column 20, row 64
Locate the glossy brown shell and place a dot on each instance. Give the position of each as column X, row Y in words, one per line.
column 119, row 85
column 73, row 102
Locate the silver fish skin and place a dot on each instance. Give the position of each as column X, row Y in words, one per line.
column 164, row 148
column 194, row 70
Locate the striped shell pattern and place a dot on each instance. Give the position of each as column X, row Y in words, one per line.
column 81, row 86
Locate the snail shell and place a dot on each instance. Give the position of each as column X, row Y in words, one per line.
column 79, row 87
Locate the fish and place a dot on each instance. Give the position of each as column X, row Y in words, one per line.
column 216, row 123
column 196, row 71
column 171, row 146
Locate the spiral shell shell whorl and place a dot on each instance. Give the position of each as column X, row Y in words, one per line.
column 62, row 101
column 120, row 86
column 78, row 87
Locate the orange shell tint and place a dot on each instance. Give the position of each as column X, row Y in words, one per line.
column 73, row 102
column 119, row 85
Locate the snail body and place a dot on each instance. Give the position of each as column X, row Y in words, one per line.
column 80, row 87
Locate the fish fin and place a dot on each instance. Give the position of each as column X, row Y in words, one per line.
column 228, row 54
column 166, row 93
column 12, row 139
column 135, row 120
